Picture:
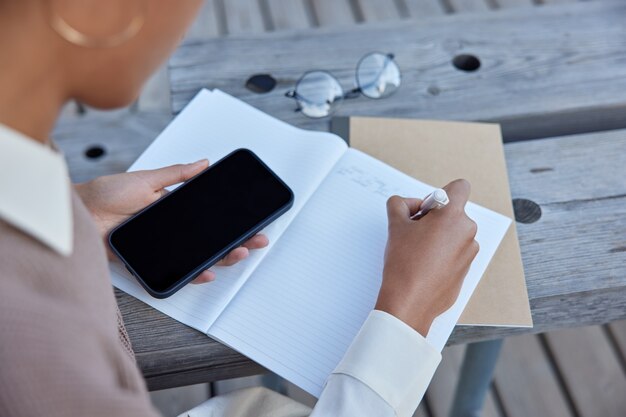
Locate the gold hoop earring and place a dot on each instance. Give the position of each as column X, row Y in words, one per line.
column 76, row 37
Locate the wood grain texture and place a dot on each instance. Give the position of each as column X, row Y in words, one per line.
column 330, row 13
column 571, row 283
column 440, row 394
column 538, row 67
column 207, row 24
column 558, row 1
column 525, row 381
column 122, row 134
column 289, row 14
column 464, row 6
column 567, row 287
column 171, row 354
column 424, row 8
column 243, row 16
column 584, row 353
column 509, row 4
column 379, row 10
column 155, row 95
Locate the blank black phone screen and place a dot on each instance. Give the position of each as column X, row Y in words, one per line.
column 195, row 223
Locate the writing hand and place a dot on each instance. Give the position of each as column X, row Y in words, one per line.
column 426, row 260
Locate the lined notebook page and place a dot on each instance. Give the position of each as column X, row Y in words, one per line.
column 302, row 307
column 211, row 126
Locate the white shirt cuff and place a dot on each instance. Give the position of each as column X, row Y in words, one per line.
column 393, row 360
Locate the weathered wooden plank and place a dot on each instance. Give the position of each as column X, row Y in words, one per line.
column 166, row 362
column 558, row 1
column 571, row 157
column 538, row 66
column 465, row 6
column 289, row 14
column 190, row 356
column 584, row 354
column 207, row 25
column 561, row 220
column 424, row 8
column 531, row 166
column 379, row 10
column 441, row 390
column 555, row 313
column 121, row 134
column 333, row 12
column 243, row 16
column 155, row 95
column 571, row 283
column 568, row 287
column 525, row 381
column 509, row 4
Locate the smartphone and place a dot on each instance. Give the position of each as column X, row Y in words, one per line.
column 170, row 242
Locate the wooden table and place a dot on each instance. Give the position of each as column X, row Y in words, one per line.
column 544, row 72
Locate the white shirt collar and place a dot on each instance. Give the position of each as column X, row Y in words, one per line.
column 35, row 193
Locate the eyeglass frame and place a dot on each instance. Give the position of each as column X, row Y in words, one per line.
column 353, row 93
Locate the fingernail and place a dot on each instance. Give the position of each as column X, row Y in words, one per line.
column 199, row 162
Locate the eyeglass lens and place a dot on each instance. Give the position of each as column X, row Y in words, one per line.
column 317, row 92
column 377, row 75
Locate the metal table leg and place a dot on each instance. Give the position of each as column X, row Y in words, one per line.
column 476, row 375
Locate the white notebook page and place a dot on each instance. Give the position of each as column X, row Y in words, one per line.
column 303, row 305
column 211, row 126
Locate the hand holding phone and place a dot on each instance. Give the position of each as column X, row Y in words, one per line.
column 111, row 199
column 171, row 241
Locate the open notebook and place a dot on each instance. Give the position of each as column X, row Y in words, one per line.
column 295, row 306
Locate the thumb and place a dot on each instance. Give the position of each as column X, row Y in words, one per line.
column 173, row 174
column 399, row 208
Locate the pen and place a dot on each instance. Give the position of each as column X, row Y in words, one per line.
column 435, row 200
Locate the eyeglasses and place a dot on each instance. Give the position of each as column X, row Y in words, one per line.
column 318, row 93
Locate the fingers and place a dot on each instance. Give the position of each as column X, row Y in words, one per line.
column 399, row 208
column 257, row 242
column 236, row 255
column 242, row 252
column 204, row 277
column 164, row 177
column 458, row 192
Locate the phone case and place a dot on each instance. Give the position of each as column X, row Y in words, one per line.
column 217, row 257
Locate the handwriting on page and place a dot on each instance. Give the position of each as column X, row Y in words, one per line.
column 368, row 181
